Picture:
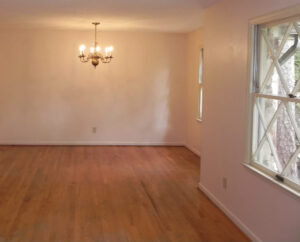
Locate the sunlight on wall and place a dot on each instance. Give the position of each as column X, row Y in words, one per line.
column 162, row 92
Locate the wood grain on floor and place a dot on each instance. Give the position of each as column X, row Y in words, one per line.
column 106, row 193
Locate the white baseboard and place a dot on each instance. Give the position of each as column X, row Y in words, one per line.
column 99, row 143
column 193, row 149
column 232, row 217
column 96, row 143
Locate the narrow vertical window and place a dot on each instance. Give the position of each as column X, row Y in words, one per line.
column 276, row 101
column 200, row 86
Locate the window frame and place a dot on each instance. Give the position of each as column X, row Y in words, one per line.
column 277, row 17
column 199, row 117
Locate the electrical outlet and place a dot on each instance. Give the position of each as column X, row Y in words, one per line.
column 94, row 130
column 224, row 183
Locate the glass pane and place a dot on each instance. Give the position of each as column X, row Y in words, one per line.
column 201, row 66
column 268, row 107
column 287, row 61
column 285, row 136
column 275, row 149
column 279, row 80
column 200, row 103
column 293, row 172
column 273, row 86
column 276, row 34
column 266, row 158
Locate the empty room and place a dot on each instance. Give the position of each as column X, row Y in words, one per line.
column 149, row 121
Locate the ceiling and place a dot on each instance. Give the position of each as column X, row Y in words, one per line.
column 152, row 15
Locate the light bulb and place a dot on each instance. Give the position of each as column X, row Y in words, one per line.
column 98, row 48
column 92, row 49
column 82, row 48
column 108, row 50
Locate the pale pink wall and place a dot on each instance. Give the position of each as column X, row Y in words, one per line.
column 193, row 126
column 270, row 212
column 48, row 96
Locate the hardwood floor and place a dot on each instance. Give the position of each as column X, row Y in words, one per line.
column 93, row 194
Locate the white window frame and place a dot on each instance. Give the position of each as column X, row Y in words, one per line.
column 200, row 86
column 259, row 169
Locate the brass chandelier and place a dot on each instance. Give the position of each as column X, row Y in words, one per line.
column 95, row 54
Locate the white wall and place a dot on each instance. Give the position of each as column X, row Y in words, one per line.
column 270, row 212
column 193, row 126
column 47, row 96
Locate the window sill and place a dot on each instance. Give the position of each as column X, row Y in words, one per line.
column 272, row 180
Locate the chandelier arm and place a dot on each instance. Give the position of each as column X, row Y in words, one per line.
column 106, row 60
column 102, row 59
column 84, row 59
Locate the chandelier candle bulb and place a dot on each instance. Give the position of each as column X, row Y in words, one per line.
column 111, row 50
column 108, row 51
column 94, row 55
column 82, row 49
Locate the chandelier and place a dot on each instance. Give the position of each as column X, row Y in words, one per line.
column 95, row 52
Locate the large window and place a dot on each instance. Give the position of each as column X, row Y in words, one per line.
column 200, row 86
column 276, row 101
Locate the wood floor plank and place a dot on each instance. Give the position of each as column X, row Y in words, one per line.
column 106, row 193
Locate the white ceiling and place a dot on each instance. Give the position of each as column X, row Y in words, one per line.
column 153, row 15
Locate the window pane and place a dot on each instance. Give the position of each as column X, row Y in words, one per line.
column 200, row 80
column 200, row 102
column 275, row 132
column 293, row 172
column 201, row 66
column 279, row 59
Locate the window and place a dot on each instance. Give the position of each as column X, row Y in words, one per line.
column 200, row 87
column 276, row 101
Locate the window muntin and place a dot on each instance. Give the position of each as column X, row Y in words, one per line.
column 200, row 86
column 276, row 101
